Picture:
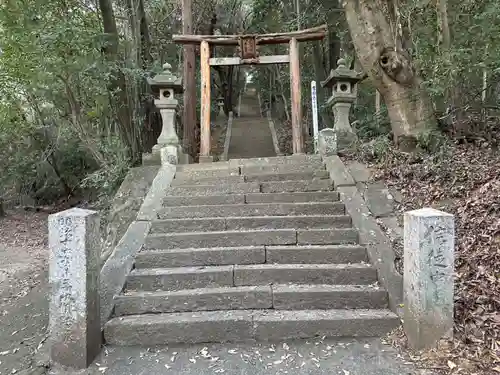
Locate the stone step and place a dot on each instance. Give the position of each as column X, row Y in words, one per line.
column 286, row 222
column 327, row 254
column 219, row 165
column 206, row 173
column 198, row 189
column 325, row 297
column 334, row 274
column 316, row 184
column 183, row 180
column 151, row 279
column 327, row 236
column 292, row 197
column 259, row 123
column 254, row 209
column 215, row 256
column 179, row 278
column 278, row 160
column 212, row 224
column 301, row 176
column 205, row 299
column 258, row 237
column 208, row 200
column 244, row 325
column 272, row 325
column 279, row 297
column 282, row 168
column 222, row 239
column 215, row 189
column 209, row 224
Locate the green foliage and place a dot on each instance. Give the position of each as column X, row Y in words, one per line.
column 454, row 77
column 60, row 127
column 56, row 124
column 369, row 124
column 377, row 149
column 71, row 116
column 431, row 140
column 108, row 178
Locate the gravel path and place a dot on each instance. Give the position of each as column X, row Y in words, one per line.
column 23, row 292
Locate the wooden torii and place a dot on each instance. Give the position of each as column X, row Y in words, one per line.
column 249, row 54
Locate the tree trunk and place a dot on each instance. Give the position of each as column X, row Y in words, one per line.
column 128, row 132
column 282, row 92
column 2, row 209
column 320, row 73
column 141, row 96
column 334, row 44
column 390, row 69
column 228, row 94
column 146, row 56
column 444, row 38
column 443, row 45
column 189, row 117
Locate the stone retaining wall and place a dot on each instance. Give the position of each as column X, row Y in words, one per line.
column 120, row 261
column 372, row 208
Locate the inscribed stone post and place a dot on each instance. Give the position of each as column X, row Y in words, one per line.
column 327, row 142
column 75, row 332
column 429, row 241
column 169, row 155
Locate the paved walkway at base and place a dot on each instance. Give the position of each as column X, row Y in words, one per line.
column 250, row 135
column 314, row 357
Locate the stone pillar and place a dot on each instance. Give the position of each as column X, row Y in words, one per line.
column 168, row 136
column 220, row 103
column 341, row 112
column 166, row 85
column 429, row 242
column 74, row 316
column 327, row 142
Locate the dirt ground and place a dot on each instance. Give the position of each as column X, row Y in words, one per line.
column 23, row 292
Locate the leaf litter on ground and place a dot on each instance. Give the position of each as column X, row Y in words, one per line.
column 462, row 179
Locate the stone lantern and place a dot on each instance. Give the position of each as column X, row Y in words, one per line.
column 343, row 82
column 165, row 85
column 220, row 103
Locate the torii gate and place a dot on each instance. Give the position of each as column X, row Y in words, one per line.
column 249, row 54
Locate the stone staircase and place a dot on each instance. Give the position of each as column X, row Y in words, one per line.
column 250, row 249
